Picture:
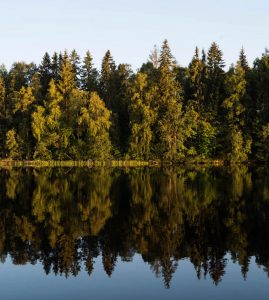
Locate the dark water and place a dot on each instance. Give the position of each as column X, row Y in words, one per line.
column 134, row 233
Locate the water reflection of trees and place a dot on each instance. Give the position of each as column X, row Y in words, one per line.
column 66, row 218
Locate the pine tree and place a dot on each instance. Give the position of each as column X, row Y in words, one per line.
column 107, row 79
column 197, row 82
column 66, row 83
column 120, row 130
column 243, row 60
column 89, row 74
column 55, row 66
column 168, row 139
column 45, row 70
column 215, row 82
column 75, row 62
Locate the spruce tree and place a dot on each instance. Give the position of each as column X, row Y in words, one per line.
column 243, row 60
column 55, row 66
column 168, row 136
column 94, row 121
column 108, row 69
column 196, row 82
column 76, row 64
column 66, row 83
column 45, row 70
column 141, row 118
column 215, row 79
column 238, row 143
column 89, row 74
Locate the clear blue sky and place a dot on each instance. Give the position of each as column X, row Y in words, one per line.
column 130, row 28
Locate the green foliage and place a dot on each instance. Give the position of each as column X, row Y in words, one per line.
column 141, row 118
column 163, row 111
column 12, row 145
column 94, row 122
column 239, row 147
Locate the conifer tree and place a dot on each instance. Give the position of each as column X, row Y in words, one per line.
column 215, row 82
column 45, row 70
column 108, row 69
column 197, row 81
column 75, row 62
column 141, row 118
column 238, row 144
column 168, row 139
column 243, row 60
column 94, row 121
column 89, row 74
column 55, row 66
column 120, row 130
column 66, row 84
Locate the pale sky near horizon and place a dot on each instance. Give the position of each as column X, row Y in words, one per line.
column 131, row 28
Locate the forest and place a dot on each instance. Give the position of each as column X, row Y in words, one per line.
column 66, row 109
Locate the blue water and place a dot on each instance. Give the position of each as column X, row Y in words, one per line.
column 188, row 234
column 130, row 280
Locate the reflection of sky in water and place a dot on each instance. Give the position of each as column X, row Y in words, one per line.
column 130, row 280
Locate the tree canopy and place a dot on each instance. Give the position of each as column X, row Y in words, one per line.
column 64, row 108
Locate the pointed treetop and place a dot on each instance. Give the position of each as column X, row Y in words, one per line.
column 166, row 58
column 243, row 60
column 108, row 64
column 215, row 57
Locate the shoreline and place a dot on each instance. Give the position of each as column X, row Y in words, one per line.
column 109, row 163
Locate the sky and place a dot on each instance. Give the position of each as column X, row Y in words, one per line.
column 130, row 28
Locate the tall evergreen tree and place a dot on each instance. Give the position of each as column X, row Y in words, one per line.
column 76, row 64
column 55, row 66
column 45, row 70
column 168, row 139
column 108, row 69
column 89, row 74
column 215, row 82
column 196, row 82
column 243, row 60
column 94, row 119
column 141, row 118
column 66, row 83
column 238, row 144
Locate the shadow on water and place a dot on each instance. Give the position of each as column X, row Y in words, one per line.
column 66, row 218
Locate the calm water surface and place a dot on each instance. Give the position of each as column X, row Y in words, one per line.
column 194, row 233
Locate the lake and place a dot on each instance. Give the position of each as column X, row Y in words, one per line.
column 137, row 233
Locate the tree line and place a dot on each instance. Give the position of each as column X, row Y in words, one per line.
column 65, row 109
